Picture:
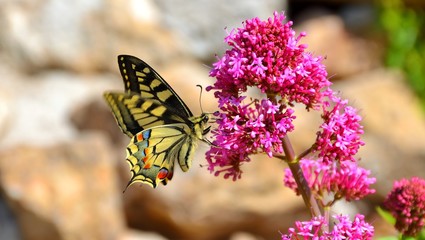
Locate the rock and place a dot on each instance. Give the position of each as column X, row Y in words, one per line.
column 67, row 191
column 95, row 115
column 5, row 113
column 79, row 36
column 38, row 107
column 8, row 228
column 345, row 54
column 140, row 235
column 243, row 236
column 202, row 25
column 58, row 40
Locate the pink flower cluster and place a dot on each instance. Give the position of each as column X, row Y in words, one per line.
column 344, row 179
column 339, row 139
column 343, row 228
column 243, row 130
column 266, row 54
column 406, row 202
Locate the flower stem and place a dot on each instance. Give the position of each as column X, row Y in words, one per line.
column 299, row 177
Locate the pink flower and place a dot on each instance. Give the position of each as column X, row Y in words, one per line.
column 406, row 202
column 339, row 139
column 346, row 229
column 344, row 180
column 306, row 229
column 343, row 228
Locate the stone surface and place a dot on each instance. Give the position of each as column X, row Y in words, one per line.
column 95, row 115
column 38, row 106
column 345, row 54
column 140, row 235
column 243, row 236
column 80, row 36
column 8, row 226
column 203, row 24
column 67, row 191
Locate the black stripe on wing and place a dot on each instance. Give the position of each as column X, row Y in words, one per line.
column 142, row 79
column 135, row 114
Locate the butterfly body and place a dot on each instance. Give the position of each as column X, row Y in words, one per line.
column 161, row 127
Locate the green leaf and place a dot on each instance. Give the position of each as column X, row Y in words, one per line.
column 408, row 238
column 386, row 215
column 421, row 235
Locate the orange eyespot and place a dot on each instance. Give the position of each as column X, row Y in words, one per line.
column 163, row 173
column 139, row 137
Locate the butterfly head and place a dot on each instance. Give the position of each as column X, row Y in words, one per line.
column 200, row 127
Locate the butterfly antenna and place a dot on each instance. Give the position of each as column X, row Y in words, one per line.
column 200, row 97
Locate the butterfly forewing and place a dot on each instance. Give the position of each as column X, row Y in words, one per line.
column 142, row 79
column 134, row 113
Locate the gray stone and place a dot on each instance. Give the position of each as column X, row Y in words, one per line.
column 203, row 24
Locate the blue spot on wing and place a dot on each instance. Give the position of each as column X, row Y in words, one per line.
column 147, row 134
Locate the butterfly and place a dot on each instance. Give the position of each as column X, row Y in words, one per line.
column 161, row 127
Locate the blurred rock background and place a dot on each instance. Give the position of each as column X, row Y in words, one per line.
column 62, row 167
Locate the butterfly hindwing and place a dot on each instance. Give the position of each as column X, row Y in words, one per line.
column 142, row 79
column 151, row 153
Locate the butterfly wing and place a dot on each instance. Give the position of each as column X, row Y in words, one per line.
column 152, row 152
column 135, row 114
column 142, row 79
